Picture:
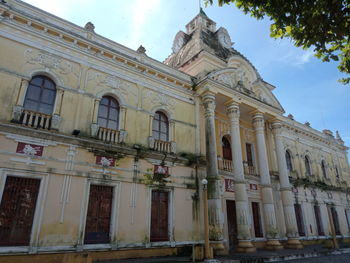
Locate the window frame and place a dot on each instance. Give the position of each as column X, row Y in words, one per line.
column 323, row 169
column 39, row 101
column 289, row 162
column 157, row 131
column 226, row 147
column 307, row 164
column 109, row 107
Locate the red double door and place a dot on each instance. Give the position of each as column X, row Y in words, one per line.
column 17, row 210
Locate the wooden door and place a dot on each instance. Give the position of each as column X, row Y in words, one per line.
column 17, row 210
column 257, row 220
column 226, row 149
column 231, row 223
column 299, row 218
column 98, row 219
column 159, row 216
column 318, row 218
column 249, row 151
column 335, row 221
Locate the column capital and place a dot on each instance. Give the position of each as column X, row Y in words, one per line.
column 258, row 120
column 209, row 104
column 276, row 127
column 233, row 111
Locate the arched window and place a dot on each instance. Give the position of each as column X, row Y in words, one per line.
column 323, row 167
column 289, row 161
column 307, row 165
column 40, row 96
column 160, row 128
column 226, row 148
column 108, row 113
column 337, row 173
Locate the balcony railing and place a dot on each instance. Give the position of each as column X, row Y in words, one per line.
column 161, row 146
column 249, row 170
column 108, row 135
column 225, row 165
column 35, row 119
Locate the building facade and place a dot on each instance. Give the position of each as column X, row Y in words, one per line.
column 103, row 149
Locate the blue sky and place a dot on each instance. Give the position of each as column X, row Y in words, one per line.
column 305, row 86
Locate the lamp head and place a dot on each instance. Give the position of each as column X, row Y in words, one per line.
column 204, row 181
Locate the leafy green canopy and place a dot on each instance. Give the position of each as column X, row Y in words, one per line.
column 321, row 24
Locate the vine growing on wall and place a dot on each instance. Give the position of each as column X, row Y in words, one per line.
column 307, row 183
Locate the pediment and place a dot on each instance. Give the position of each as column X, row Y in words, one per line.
column 246, row 82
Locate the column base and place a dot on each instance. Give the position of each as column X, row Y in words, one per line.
column 218, row 248
column 293, row 243
column 273, row 244
column 245, row 246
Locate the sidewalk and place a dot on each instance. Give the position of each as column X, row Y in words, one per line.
column 259, row 256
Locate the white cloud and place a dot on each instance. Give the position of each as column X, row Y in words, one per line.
column 141, row 11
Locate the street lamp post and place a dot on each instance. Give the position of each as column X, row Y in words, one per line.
column 207, row 253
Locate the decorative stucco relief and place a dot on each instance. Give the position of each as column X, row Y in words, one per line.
column 154, row 99
column 52, row 63
column 248, row 135
column 127, row 91
column 232, row 78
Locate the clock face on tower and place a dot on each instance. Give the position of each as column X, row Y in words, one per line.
column 225, row 39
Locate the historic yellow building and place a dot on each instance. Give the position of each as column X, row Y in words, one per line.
column 103, row 149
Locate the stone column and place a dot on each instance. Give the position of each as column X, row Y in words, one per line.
column 286, row 193
column 214, row 182
column 241, row 198
column 272, row 242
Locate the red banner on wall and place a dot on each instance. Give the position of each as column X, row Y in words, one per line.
column 160, row 169
column 229, row 185
column 30, row 149
column 105, row 161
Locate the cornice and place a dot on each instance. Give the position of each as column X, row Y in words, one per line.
column 132, row 58
column 311, row 133
column 240, row 96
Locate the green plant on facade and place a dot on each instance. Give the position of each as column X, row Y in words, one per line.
column 272, row 232
column 318, row 184
column 215, row 233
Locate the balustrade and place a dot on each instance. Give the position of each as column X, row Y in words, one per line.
column 108, row 135
column 36, row 119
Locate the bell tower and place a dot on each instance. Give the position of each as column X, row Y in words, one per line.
column 202, row 48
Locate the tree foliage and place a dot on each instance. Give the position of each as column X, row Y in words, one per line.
column 323, row 25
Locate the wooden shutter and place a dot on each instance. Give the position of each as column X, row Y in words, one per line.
column 231, row 222
column 299, row 218
column 256, row 219
column 318, row 220
column 98, row 217
column 17, row 210
column 159, row 216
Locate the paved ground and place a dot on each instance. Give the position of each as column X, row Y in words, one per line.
column 344, row 258
column 310, row 254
